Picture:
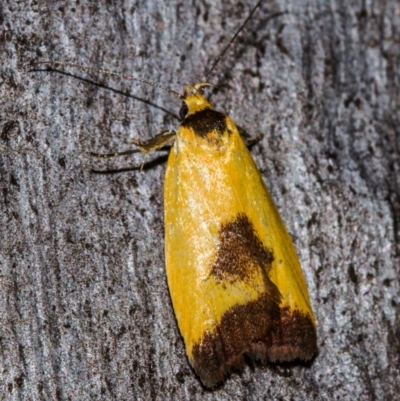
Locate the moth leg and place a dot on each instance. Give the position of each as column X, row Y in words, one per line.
column 155, row 143
column 248, row 139
column 145, row 147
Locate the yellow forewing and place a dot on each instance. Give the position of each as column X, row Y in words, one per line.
column 206, row 187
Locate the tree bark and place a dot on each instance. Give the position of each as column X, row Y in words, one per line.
column 85, row 312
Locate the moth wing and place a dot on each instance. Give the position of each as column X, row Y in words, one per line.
column 234, row 277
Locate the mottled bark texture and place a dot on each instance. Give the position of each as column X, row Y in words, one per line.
column 85, row 312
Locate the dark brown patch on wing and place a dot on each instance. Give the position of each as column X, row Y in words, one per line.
column 240, row 251
column 294, row 338
column 241, row 327
column 260, row 330
column 205, row 121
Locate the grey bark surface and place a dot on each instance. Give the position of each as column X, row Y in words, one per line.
column 85, row 312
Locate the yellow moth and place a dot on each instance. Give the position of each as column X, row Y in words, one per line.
column 234, row 277
column 235, row 281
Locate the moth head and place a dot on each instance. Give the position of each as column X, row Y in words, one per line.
column 193, row 100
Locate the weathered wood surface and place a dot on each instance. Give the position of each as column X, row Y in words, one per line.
column 85, row 312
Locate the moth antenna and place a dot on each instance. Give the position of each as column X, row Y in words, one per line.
column 232, row 40
column 111, row 73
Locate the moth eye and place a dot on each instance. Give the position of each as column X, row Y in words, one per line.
column 183, row 111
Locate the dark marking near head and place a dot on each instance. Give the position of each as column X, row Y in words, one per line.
column 183, row 111
column 260, row 330
column 205, row 121
column 240, row 252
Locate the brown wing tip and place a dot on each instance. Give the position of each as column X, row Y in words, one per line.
column 290, row 337
column 295, row 338
column 211, row 378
